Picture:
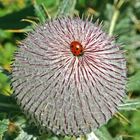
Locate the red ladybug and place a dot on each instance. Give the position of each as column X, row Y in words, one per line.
column 76, row 48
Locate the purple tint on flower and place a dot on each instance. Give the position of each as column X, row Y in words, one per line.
column 66, row 93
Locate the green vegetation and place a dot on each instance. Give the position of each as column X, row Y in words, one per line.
column 120, row 17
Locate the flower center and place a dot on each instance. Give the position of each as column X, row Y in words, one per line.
column 76, row 48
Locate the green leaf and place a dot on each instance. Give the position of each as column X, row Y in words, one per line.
column 25, row 136
column 134, row 82
column 43, row 9
column 12, row 21
column 66, row 7
column 130, row 104
column 119, row 138
column 39, row 12
column 103, row 134
column 3, row 127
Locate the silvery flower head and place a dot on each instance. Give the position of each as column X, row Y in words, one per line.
column 69, row 76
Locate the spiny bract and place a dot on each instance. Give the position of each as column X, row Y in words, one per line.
column 66, row 93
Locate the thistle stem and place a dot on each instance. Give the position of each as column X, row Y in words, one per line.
column 113, row 21
column 115, row 16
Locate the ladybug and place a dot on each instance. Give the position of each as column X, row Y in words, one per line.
column 76, row 48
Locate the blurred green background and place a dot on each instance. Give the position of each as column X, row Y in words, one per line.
column 120, row 18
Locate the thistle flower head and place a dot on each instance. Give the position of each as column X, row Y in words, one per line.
column 69, row 76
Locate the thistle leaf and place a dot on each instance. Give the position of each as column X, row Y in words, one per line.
column 3, row 127
column 134, row 82
column 131, row 104
column 66, row 7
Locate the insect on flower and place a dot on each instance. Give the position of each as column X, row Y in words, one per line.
column 76, row 48
column 69, row 76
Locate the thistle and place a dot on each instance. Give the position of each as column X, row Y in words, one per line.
column 69, row 76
